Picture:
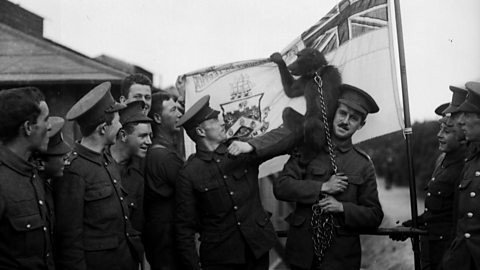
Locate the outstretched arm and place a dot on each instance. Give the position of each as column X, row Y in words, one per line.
column 287, row 79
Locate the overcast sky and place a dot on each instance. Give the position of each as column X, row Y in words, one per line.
column 173, row 37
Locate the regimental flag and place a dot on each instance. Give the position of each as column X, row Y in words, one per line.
column 355, row 36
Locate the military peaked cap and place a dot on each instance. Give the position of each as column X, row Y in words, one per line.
column 134, row 113
column 56, row 144
column 458, row 97
column 199, row 112
column 357, row 99
column 472, row 102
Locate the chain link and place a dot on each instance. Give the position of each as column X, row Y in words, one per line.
column 323, row 226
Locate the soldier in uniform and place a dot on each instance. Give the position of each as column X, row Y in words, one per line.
column 25, row 236
column 128, row 151
column 92, row 229
column 350, row 195
column 137, row 87
column 217, row 195
column 439, row 216
column 464, row 251
column 50, row 164
column 163, row 163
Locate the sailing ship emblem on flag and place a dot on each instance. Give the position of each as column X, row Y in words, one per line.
column 243, row 114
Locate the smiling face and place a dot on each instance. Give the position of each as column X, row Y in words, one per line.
column 139, row 139
column 140, row 92
column 449, row 137
column 346, row 122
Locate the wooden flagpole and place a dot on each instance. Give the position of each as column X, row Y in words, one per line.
column 408, row 133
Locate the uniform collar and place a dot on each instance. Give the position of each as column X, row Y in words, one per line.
column 454, row 157
column 161, row 140
column 14, row 162
column 205, row 154
column 343, row 146
column 88, row 154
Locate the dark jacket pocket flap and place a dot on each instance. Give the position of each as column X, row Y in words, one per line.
column 207, row 186
column 441, row 190
column 101, row 243
column 239, row 173
column 295, row 220
column 464, row 183
column 98, row 193
column 26, row 223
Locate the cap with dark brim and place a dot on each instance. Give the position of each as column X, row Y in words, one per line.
column 198, row 113
column 458, row 97
column 439, row 110
column 134, row 113
column 93, row 106
column 472, row 102
column 357, row 99
column 56, row 144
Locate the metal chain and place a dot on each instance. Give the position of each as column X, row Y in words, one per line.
column 319, row 82
column 323, row 226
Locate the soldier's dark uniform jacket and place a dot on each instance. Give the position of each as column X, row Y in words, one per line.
column 93, row 230
column 25, row 233
column 440, row 207
column 302, row 184
column 134, row 184
column 161, row 173
column 218, row 196
column 465, row 248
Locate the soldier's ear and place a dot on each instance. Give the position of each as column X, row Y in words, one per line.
column 27, row 127
column 102, row 129
column 122, row 135
column 157, row 118
column 200, row 131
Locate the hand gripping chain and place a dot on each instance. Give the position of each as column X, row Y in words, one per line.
column 322, row 223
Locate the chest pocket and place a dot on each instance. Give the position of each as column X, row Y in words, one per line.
column 211, row 196
column 439, row 196
column 99, row 203
column 30, row 239
column 352, row 192
column 318, row 173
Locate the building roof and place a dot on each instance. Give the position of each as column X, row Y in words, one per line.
column 26, row 58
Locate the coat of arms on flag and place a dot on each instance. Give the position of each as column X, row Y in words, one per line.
column 243, row 113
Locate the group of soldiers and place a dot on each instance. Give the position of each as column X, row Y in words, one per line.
column 123, row 192
column 451, row 203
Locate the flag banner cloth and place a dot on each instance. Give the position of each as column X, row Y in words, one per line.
column 355, row 36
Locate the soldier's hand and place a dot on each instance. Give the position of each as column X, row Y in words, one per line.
column 330, row 205
column 276, row 58
column 398, row 236
column 237, row 147
column 336, row 184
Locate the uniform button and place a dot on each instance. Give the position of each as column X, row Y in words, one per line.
column 40, row 202
column 472, row 194
column 218, row 160
column 477, row 173
column 206, row 189
column 121, row 198
column 246, row 170
column 470, row 214
column 426, row 224
column 231, row 193
column 429, row 194
column 460, row 185
column 467, row 235
column 225, row 177
column 235, row 207
column 439, row 192
column 114, row 181
column 433, row 179
column 33, row 176
column 28, row 226
column 74, row 153
column 48, row 254
column 441, row 237
column 426, row 209
column 126, row 218
column 106, row 163
column 45, row 229
column 132, row 204
column 127, row 234
column 239, row 223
